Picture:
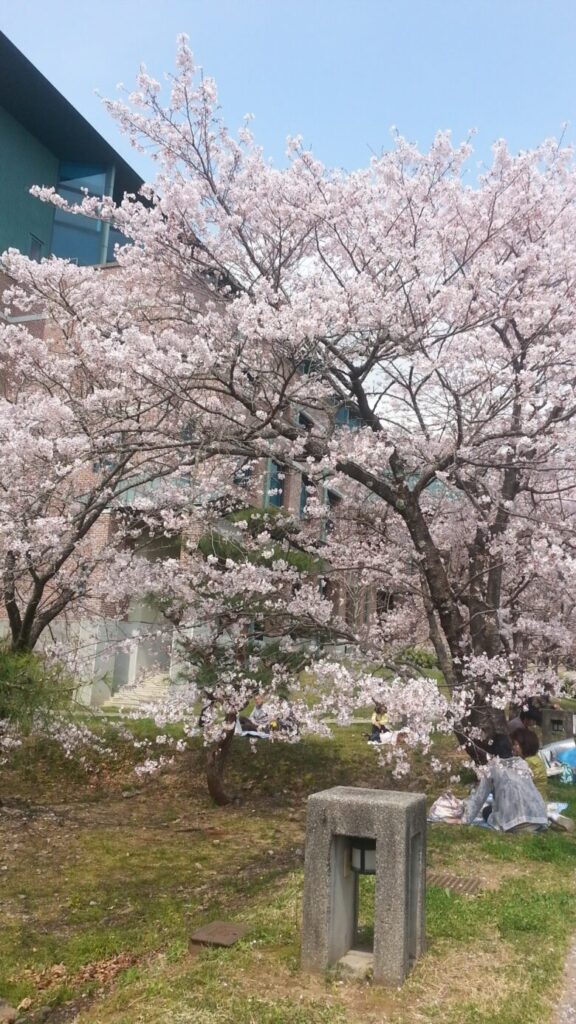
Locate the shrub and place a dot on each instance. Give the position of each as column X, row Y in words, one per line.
column 417, row 656
column 29, row 685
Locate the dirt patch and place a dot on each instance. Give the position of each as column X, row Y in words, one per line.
column 101, row 971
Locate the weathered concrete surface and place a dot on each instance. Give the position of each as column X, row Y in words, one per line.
column 566, row 1009
column 556, row 725
column 356, row 964
column 397, row 821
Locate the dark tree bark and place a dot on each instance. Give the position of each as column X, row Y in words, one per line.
column 436, row 635
column 216, row 760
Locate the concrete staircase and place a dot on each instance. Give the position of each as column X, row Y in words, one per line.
column 149, row 690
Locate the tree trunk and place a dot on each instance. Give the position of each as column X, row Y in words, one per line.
column 22, row 645
column 434, row 572
column 216, row 759
column 436, row 637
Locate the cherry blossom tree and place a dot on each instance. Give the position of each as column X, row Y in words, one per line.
column 404, row 334
column 75, row 433
column 249, row 617
column 88, row 427
column 434, row 316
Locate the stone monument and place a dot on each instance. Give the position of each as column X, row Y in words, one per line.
column 556, row 725
column 364, row 831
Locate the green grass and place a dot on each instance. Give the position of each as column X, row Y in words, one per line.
column 92, row 875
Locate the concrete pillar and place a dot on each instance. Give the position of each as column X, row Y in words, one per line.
column 343, row 900
column 556, row 725
column 397, row 822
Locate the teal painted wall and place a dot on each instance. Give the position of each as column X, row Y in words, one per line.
column 23, row 162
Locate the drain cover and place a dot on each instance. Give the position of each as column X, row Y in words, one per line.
column 467, row 886
column 219, row 933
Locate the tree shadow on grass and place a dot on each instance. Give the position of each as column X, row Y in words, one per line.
column 275, row 769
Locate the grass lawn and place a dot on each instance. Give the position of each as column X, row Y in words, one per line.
column 102, row 881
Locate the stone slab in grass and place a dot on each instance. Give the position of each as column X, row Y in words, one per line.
column 357, row 963
column 7, row 1013
column 218, row 933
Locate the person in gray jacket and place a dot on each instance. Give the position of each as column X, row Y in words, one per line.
column 516, row 805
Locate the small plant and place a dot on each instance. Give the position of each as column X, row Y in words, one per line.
column 28, row 686
column 417, row 656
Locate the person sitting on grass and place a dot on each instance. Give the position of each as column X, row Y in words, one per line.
column 517, row 806
column 261, row 716
column 379, row 723
column 258, row 724
column 526, row 744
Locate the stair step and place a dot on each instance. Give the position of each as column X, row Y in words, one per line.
column 132, row 697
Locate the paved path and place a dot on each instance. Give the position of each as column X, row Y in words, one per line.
column 566, row 1009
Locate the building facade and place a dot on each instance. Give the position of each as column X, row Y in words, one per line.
column 45, row 141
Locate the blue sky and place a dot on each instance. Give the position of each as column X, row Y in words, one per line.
column 338, row 72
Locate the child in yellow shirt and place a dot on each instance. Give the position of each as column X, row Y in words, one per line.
column 379, row 723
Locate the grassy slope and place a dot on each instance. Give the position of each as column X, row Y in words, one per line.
column 91, row 877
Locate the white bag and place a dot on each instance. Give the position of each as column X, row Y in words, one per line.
column 447, row 808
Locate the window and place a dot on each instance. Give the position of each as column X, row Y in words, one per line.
column 350, row 610
column 306, row 491
column 115, row 238
column 36, row 246
column 333, row 500
column 308, row 366
column 75, row 237
column 256, row 630
column 104, row 465
column 84, row 240
column 275, row 489
column 384, row 602
column 346, row 417
column 328, row 590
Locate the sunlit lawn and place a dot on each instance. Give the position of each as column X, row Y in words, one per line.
column 101, row 891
